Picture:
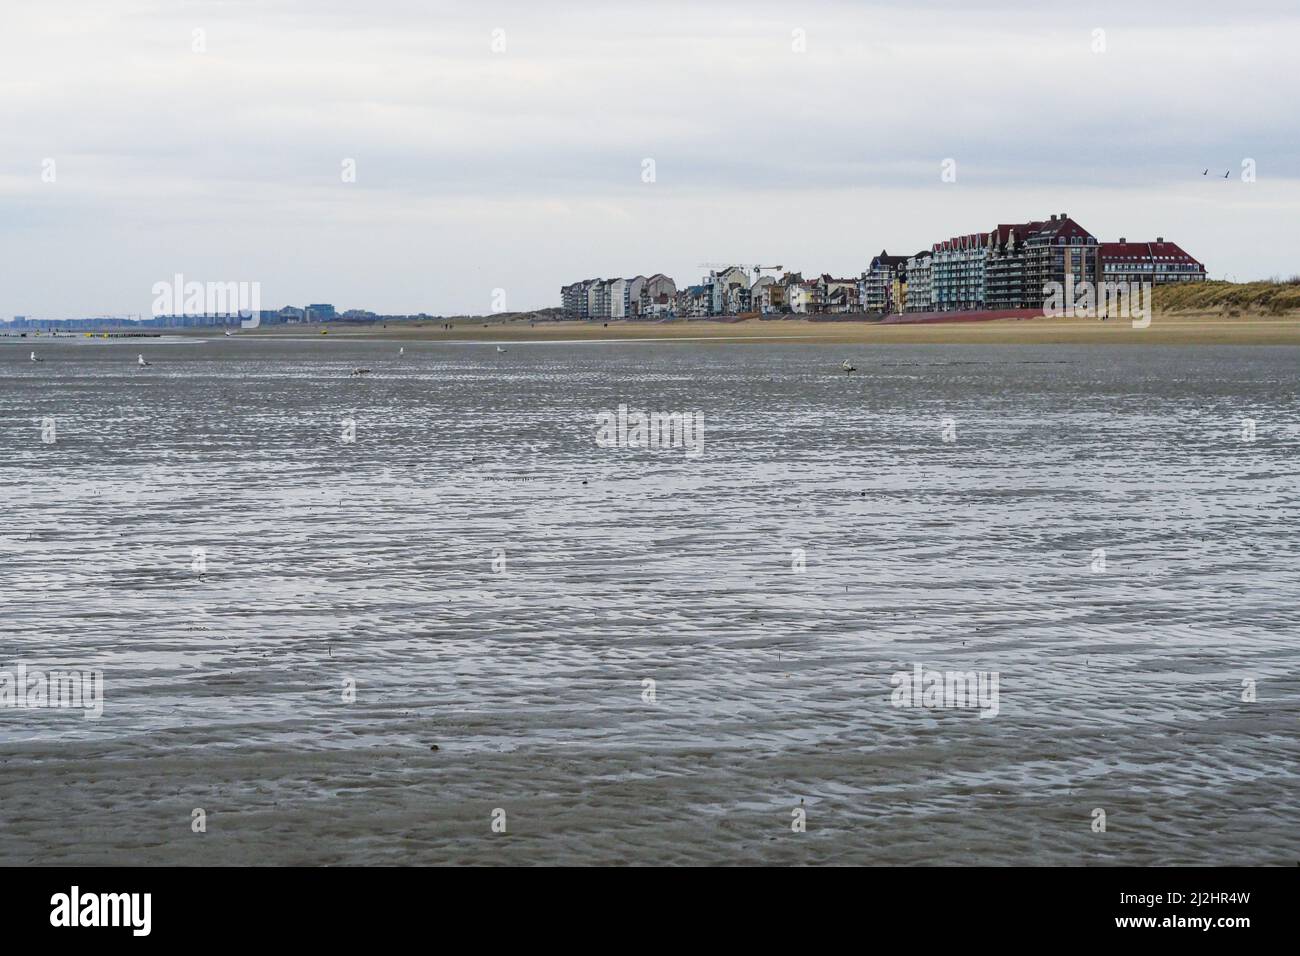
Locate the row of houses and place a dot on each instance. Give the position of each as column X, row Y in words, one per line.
column 1009, row 267
column 1006, row 268
column 727, row 291
column 639, row 297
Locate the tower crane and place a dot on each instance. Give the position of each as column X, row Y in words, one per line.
column 747, row 266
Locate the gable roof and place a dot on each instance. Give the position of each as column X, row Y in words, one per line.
column 887, row 261
column 1145, row 252
column 1021, row 230
column 1062, row 227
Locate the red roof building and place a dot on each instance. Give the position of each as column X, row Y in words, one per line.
column 1154, row 262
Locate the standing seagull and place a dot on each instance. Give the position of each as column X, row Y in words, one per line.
column 401, row 350
column 500, row 349
column 139, row 360
column 35, row 359
column 848, row 368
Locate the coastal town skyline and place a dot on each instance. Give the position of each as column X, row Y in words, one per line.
column 511, row 148
column 1013, row 266
column 958, row 280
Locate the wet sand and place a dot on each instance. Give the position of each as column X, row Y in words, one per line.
column 372, row 561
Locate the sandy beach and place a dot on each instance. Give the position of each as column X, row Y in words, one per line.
column 1168, row 329
column 311, row 640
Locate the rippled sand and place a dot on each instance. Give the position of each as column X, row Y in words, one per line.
column 372, row 562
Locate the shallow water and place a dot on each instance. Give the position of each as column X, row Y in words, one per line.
column 373, row 562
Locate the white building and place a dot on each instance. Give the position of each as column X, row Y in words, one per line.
column 919, row 282
column 730, row 290
column 625, row 297
column 803, row 297
column 765, row 295
column 658, row 296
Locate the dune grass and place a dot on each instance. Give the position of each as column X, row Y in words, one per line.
column 1273, row 297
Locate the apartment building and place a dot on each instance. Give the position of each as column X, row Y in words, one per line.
column 1004, row 268
column 877, row 286
column 957, row 272
column 919, row 282
column 1058, row 249
column 1155, row 262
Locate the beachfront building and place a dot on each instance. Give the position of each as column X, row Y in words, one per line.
column 597, row 298
column 918, row 282
column 729, row 291
column 839, row 295
column 1155, row 262
column 805, row 297
column 573, row 298
column 784, row 294
column 658, row 297
column 1059, row 251
column 625, row 297
column 767, row 295
column 878, row 282
column 1004, row 268
column 957, row 272
column 600, row 298
column 618, row 298
column 695, row 301
column 737, row 299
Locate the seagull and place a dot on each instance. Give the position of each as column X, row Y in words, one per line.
column 139, row 360
column 848, row 368
column 359, row 371
column 1206, row 173
column 35, row 359
column 228, row 332
column 401, row 350
column 500, row 349
column 1225, row 175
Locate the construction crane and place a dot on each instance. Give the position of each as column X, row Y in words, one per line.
column 747, row 266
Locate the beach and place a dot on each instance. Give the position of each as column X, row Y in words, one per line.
column 346, row 620
column 1167, row 329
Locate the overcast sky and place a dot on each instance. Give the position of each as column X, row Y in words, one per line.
column 523, row 169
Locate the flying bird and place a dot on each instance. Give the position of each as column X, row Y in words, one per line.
column 1225, row 175
column 1207, row 172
